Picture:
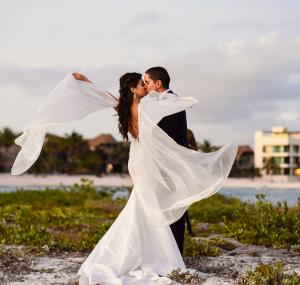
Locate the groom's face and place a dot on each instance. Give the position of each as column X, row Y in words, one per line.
column 150, row 85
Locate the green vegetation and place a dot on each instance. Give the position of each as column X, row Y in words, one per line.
column 72, row 154
column 206, row 146
column 271, row 166
column 265, row 223
column 187, row 277
column 269, row 274
column 75, row 218
column 193, row 247
column 7, row 137
column 260, row 223
column 69, row 154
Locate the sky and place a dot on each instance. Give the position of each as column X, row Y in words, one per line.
column 240, row 59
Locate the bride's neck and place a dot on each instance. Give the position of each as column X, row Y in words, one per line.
column 137, row 100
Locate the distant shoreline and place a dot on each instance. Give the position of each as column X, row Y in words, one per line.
column 6, row 179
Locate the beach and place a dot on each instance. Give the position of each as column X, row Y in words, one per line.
column 61, row 268
column 66, row 180
column 6, row 179
column 37, row 250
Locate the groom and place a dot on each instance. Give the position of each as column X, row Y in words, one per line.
column 175, row 125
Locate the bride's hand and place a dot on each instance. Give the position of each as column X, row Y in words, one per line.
column 80, row 76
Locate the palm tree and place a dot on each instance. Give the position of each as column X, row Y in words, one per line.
column 76, row 151
column 53, row 156
column 7, row 137
column 120, row 156
column 207, row 147
column 271, row 166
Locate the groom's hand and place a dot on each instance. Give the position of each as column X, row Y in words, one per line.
column 81, row 77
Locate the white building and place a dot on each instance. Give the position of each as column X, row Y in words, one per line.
column 281, row 145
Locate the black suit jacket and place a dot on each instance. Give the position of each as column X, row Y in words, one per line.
column 175, row 126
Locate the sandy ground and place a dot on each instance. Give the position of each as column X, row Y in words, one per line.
column 61, row 269
column 52, row 180
column 18, row 269
column 124, row 180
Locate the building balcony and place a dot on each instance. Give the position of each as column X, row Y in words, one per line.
column 274, row 154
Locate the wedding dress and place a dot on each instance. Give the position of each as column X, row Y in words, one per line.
column 167, row 178
column 133, row 250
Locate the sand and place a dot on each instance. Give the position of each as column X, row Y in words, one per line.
column 219, row 270
column 52, row 180
column 6, row 179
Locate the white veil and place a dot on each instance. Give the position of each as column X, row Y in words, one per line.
column 70, row 100
column 172, row 176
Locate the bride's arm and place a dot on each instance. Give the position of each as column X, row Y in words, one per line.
column 81, row 77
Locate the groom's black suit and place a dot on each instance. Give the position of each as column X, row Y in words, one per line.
column 175, row 126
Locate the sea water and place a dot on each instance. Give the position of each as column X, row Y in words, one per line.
column 246, row 194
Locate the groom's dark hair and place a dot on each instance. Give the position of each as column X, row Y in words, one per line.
column 159, row 73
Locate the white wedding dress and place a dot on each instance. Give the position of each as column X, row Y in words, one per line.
column 134, row 250
column 167, row 179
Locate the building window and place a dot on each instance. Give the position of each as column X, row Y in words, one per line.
column 268, row 148
column 286, row 148
column 286, row 171
column 277, row 160
column 296, row 160
column 287, row 159
column 296, row 148
column 277, row 171
column 276, row 148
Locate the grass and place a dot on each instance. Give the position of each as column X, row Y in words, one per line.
column 75, row 218
column 261, row 223
column 269, row 274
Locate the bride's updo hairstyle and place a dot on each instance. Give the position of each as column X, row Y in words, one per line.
column 128, row 80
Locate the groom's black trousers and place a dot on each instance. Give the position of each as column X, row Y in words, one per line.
column 175, row 126
column 178, row 231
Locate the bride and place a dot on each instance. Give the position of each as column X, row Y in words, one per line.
column 139, row 247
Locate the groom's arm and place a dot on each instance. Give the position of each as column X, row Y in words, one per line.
column 175, row 126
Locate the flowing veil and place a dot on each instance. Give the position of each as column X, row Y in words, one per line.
column 70, row 100
column 172, row 176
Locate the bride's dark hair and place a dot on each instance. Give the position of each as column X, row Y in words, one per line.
column 128, row 80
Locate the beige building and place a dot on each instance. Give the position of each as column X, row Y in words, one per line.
column 103, row 139
column 283, row 148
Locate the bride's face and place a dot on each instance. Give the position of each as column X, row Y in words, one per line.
column 139, row 90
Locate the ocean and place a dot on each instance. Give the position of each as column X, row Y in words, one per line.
column 246, row 194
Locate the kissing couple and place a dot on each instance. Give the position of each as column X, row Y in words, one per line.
column 145, row 242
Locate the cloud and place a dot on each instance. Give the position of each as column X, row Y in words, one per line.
column 32, row 81
column 294, row 78
column 242, row 85
column 252, row 26
column 39, row 81
column 151, row 31
column 143, row 19
column 243, row 90
column 243, row 25
column 288, row 116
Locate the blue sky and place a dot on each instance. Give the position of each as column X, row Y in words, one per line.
column 240, row 59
